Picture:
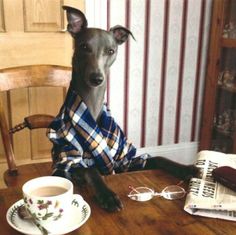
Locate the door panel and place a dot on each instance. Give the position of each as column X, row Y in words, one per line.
column 46, row 16
column 42, row 96
column 18, row 102
column 32, row 32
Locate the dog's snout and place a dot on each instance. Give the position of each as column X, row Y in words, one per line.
column 96, row 79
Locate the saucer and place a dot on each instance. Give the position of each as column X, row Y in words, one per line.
column 76, row 219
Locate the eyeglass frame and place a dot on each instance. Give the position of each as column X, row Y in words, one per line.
column 146, row 196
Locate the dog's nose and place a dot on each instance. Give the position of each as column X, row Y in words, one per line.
column 96, row 79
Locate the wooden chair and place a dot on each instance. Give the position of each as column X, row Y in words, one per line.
column 25, row 77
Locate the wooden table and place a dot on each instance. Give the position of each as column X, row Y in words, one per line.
column 154, row 217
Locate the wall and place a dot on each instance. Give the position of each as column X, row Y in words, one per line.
column 155, row 87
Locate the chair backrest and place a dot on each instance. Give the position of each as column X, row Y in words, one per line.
column 25, row 77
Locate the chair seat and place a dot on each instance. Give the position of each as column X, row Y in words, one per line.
column 27, row 172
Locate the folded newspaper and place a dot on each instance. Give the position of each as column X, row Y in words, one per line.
column 205, row 196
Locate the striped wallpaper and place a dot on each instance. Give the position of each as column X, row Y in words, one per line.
column 155, row 87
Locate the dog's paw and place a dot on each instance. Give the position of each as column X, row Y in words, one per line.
column 108, row 200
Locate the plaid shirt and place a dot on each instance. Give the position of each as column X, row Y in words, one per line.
column 80, row 142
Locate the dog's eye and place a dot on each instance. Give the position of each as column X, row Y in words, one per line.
column 110, row 51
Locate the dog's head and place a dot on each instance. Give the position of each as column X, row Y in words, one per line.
column 95, row 49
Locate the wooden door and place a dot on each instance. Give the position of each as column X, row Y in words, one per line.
column 32, row 32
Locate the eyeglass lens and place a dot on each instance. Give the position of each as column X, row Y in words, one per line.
column 173, row 192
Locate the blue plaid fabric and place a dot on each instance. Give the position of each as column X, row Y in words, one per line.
column 78, row 141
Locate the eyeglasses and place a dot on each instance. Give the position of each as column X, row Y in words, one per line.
column 170, row 192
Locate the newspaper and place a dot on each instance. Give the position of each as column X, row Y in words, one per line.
column 205, row 196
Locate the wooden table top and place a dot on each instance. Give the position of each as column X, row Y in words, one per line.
column 155, row 217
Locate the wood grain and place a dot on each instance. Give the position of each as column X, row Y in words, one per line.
column 40, row 97
column 28, row 99
column 157, row 216
column 44, row 44
column 43, row 16
column 2, row 23
column 212, row 75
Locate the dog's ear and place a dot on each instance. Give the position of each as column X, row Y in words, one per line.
column 121, row 34
column 76, row 20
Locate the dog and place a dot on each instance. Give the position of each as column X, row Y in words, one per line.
column 86, row 140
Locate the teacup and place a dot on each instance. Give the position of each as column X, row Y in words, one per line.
column 49, row 198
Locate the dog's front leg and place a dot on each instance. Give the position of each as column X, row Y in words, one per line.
column 105, row 197
column 184, row 172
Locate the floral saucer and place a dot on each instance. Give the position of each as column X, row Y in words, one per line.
column 76, row 219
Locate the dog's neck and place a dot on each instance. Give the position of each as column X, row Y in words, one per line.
column 93, row 97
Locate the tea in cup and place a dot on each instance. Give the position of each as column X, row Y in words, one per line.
column 49, row 198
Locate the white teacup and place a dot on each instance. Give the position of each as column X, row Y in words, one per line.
column 49, row 198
